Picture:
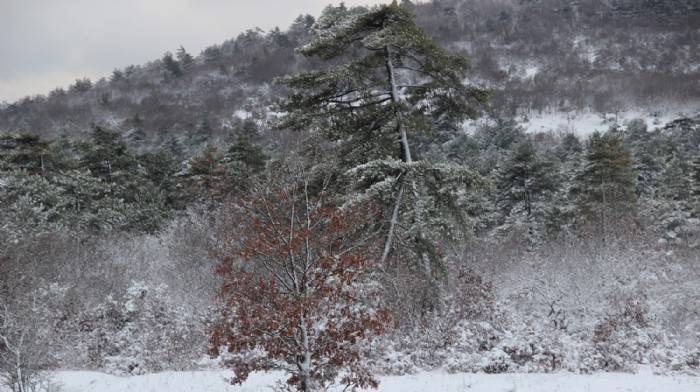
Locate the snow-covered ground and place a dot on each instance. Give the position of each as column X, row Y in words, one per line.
column 215, row 381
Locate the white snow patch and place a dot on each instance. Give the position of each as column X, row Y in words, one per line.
column 586, row 122
column 567, row 122
column 242, row 114
column 216, row 381
column 530, row 71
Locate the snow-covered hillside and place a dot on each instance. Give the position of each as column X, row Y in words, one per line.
column 215, row 381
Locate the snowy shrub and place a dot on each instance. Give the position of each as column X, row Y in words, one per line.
column 468, row 307
column 394, row 360
column 531, row 351
column 421, row 349
column 139, row 332
column 520, row 347
column 462, row 324
column 627, row 336
column 26, row 350
column 578, row 354
column 689, row 363
column 675, row 224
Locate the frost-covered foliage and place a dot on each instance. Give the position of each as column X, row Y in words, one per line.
column 102, row 305
column 464, row 320
column 26, row 340
column 138, row 332
column 533, row 346
column 624, row 335
column 570, row 307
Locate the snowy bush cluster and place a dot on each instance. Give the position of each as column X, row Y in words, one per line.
column 576, row 306
column 137, row 333
column 624, row 337
column 70, row 303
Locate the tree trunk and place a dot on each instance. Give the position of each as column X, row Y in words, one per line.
column 602, row 210
column 418, row 208
column 305, row 365
column 394, row 221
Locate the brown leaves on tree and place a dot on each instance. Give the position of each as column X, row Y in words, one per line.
column 297, row 290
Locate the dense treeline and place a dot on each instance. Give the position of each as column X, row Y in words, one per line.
column 546, row 183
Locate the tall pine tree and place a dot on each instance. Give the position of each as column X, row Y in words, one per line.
column 525, row 184
column 606, row 185
column 389, row 86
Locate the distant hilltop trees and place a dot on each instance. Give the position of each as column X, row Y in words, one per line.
column 533, row 55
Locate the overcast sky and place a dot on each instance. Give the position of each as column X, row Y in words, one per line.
column 49, row 43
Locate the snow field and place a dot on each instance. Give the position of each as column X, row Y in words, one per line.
column 216, row 381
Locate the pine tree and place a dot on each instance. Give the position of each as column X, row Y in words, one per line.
column 495, row 142
column 249, row 129
column 171, row 65
column 636, row 133
column 392, row 87
column 204, row 174
column 606, row 185
column 300, row 30
column 213, row 54
column 96, row 185
column 175, row 148
column 503, row 134
column 242, row 162
column 560, row 214
column 136, row 187
column 570, row 146
column 117, row 76
column 82, row 85
column 674, row 207
column 525, row 185
column 93, row 204
column 31, row 205
column 184, row 59
column 243, row 151
column 25, row 152
column 695, row 184
column 675, row 180
column 159, row 167
column 648, row 170
column 107, row 156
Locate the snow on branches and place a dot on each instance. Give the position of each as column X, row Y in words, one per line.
column 297, row 290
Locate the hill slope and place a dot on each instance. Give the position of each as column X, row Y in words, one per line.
column 547, row 55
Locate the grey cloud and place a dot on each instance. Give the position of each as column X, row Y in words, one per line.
column 48, row 43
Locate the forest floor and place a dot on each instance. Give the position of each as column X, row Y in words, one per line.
column 216, row 381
